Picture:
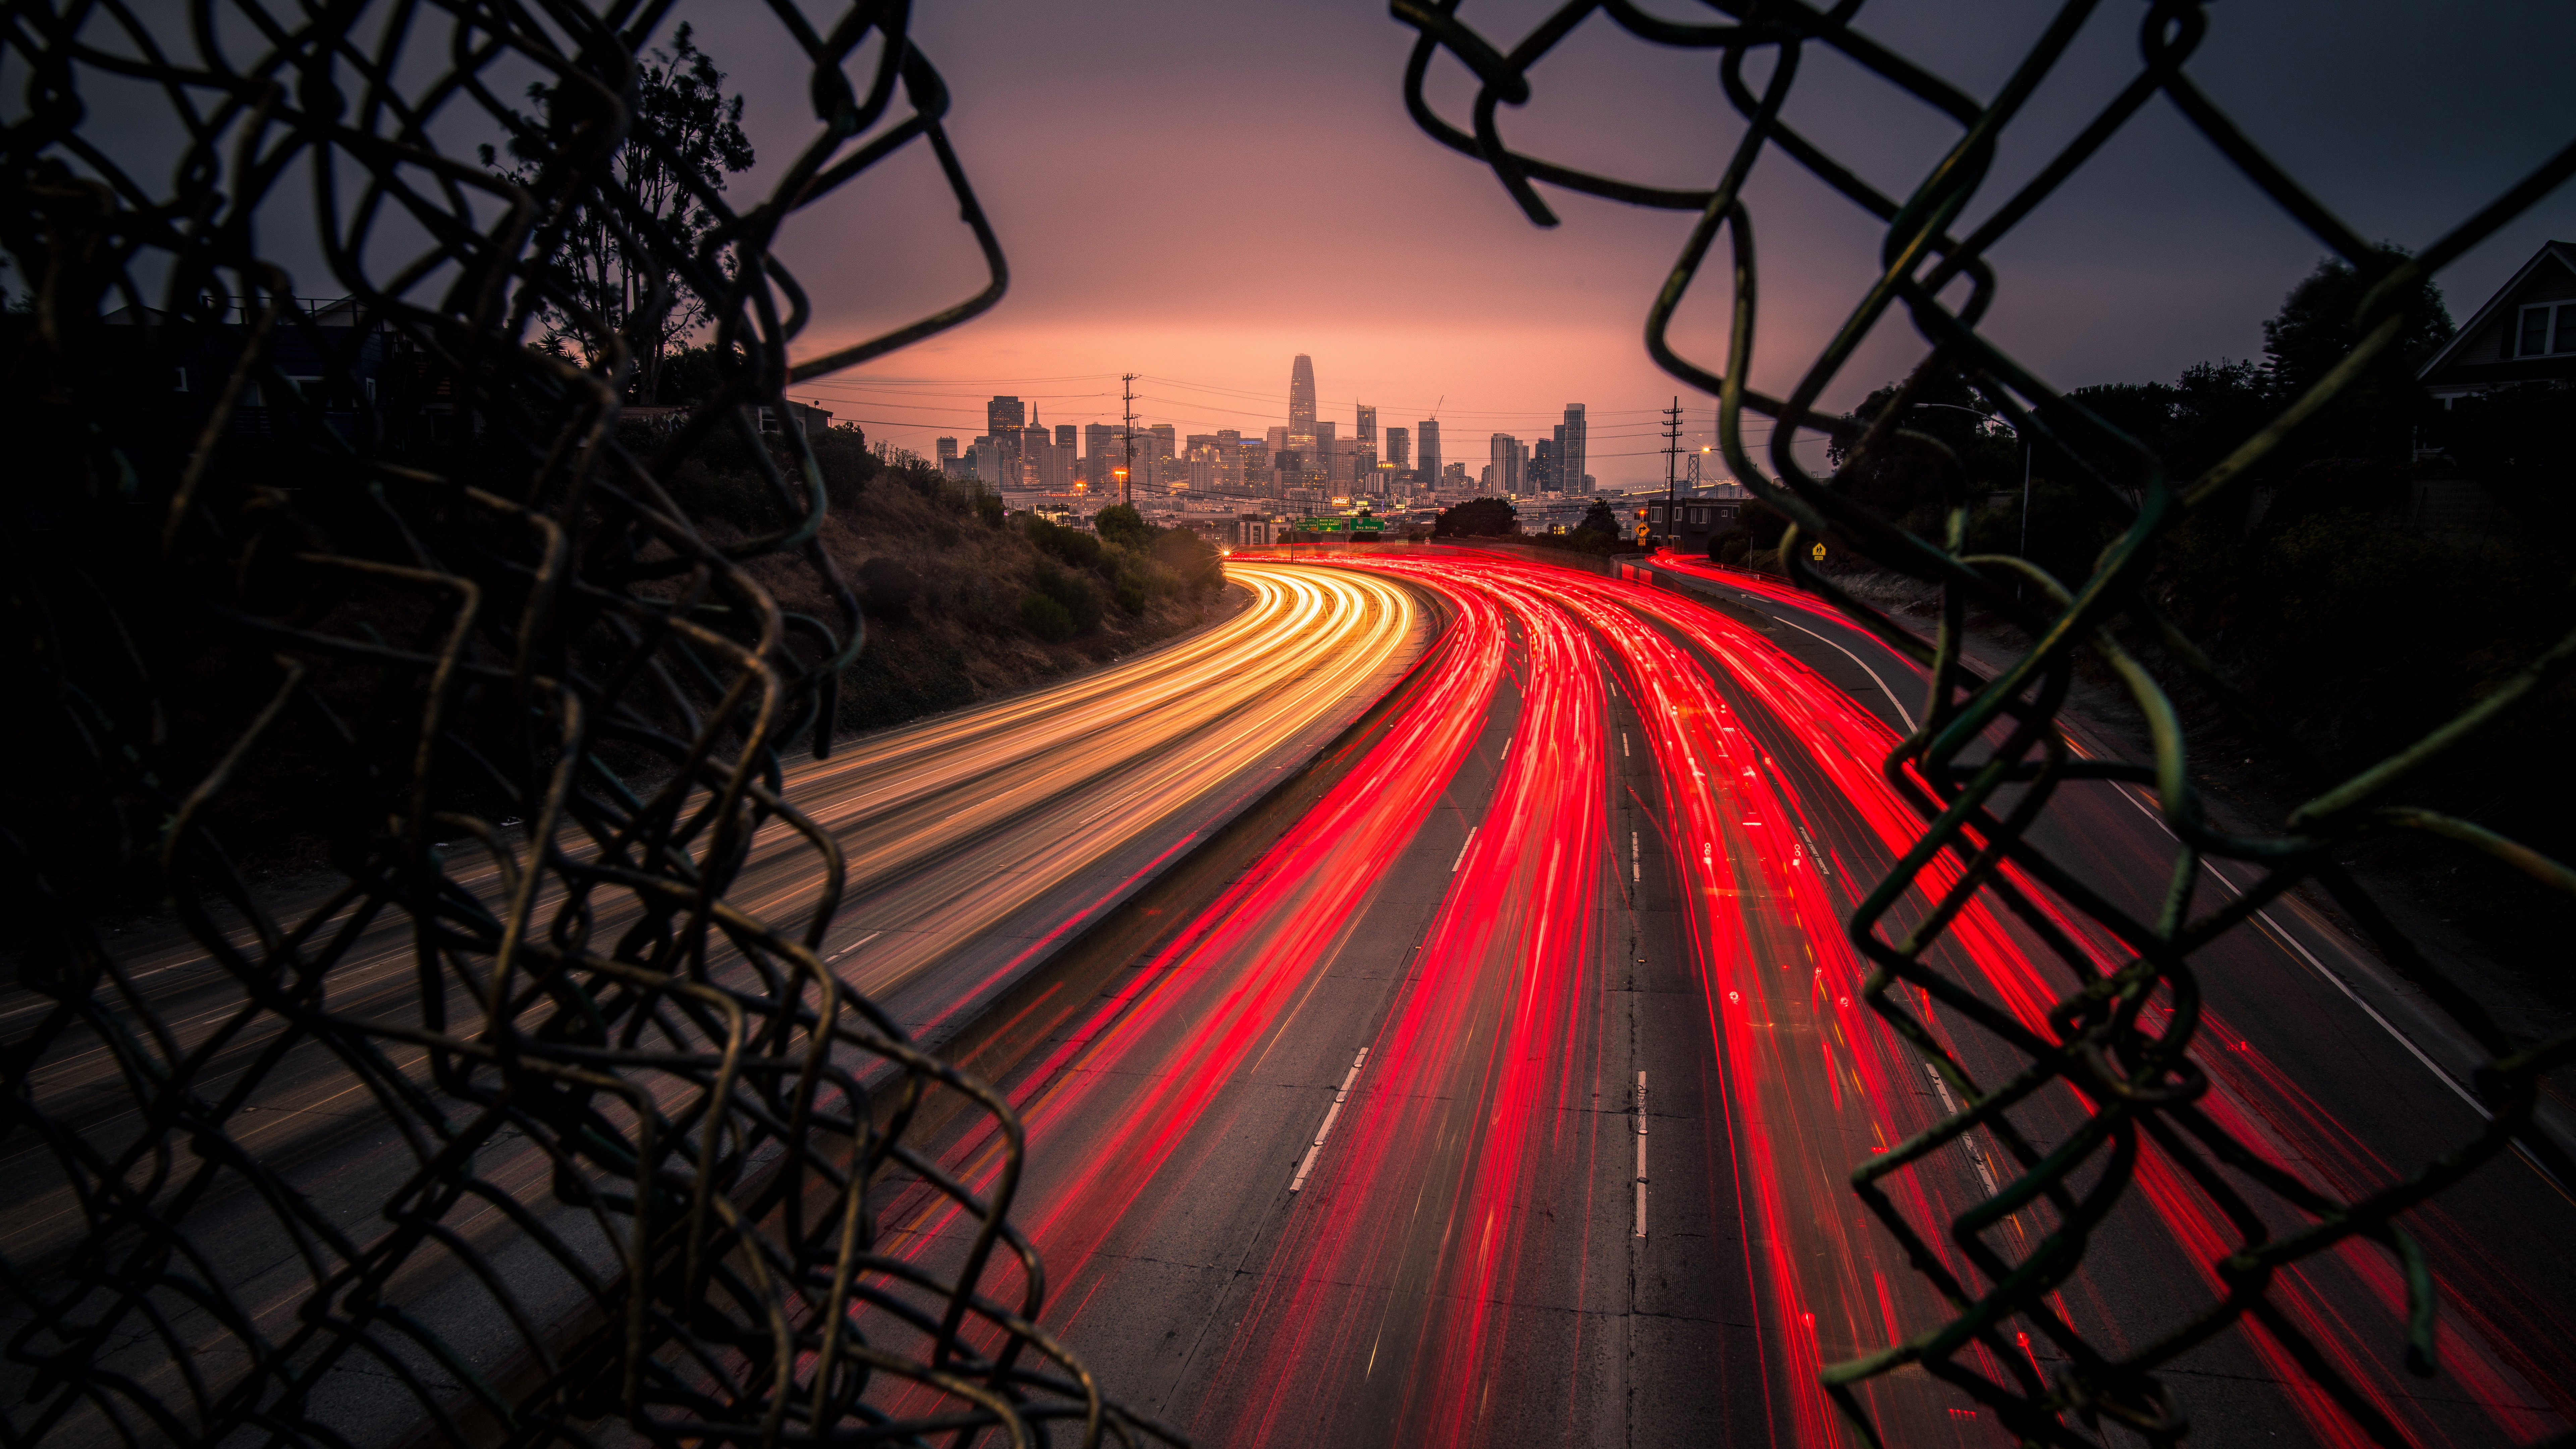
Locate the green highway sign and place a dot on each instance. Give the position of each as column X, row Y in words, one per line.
column 1363, row 526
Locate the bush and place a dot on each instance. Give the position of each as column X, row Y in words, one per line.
column 1121, row 524
column 901, row 676
column 1478, row 518
column 988, row 509
column 841, row 456
column 1192, row 560
column 1071, row 545
column 1582, row 540
column 1077, row 595
column 1129, row 593
column 1046, row 618
column 891, row 587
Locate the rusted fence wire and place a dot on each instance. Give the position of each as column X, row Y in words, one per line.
column 2111, row 1036
column 524, row 1128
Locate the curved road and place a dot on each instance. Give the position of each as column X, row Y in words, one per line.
column 1512, row 1097
column 975, row 841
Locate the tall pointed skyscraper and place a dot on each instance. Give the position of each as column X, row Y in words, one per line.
column 1301, row 406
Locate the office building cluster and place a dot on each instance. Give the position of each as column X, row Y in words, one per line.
column 1308, row 464
column 1309, row 460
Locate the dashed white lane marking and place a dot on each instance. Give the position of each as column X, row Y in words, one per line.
column 854, row 945
column 1462, row 849
column 1330, row 1113
column 1641, row 1154
column 1636, row 868
column 1952, row 1108
column 1625, row 753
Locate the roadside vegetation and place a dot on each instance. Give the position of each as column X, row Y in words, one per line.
column 963, row 604
column 1596, row 536
column 2314, row 582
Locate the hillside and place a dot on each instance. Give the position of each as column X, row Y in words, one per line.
column 963, row 604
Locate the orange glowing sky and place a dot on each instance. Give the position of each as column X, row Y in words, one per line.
column 1196, row 192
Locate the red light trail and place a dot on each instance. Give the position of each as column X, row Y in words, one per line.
column 1401, row 1295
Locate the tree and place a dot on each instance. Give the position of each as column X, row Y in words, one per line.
column 1120, row 523
column 1477, row 518
column 1902, row 480
column 1599, row 519
column 2375, row 415
column 613, row 262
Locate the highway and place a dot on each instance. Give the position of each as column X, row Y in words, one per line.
column 1511, row 1096
column 975, row 842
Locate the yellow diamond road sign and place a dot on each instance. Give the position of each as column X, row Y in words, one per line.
column 1817, row 553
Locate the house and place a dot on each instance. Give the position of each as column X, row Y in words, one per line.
column 2526, row 332
column 811, row 420
column 337, row 362
column 1711, row 513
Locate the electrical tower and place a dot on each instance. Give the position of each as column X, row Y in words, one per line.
column 1672, row 455
column 1127, row 484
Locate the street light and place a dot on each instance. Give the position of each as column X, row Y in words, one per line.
column 1998, row 420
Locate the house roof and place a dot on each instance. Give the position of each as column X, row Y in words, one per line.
column 2561, row 253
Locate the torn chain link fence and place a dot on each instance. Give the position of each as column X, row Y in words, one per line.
column 528, row 1127
column 2122, row 1037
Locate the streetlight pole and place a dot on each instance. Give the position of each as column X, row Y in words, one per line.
column 2023, row 438
column 2024, row 550
column 2018, row 436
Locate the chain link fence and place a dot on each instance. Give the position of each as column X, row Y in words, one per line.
column 527, row 1127
column 2129, row 1064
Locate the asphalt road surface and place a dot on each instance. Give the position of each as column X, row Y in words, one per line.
column 1512, row 1096
column 974, row 842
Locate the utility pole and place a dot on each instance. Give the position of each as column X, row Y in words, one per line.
column 1127, row 484
column 1672, row 455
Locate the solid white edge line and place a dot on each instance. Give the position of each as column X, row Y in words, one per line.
column 2332, row 978
column 1462, row 850
column 1330, row 1113
column 1901, row 711
column 2264, row 916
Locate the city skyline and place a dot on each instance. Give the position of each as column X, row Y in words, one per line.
column 1304, row 459
column 1635, row 439
column 2157, row 259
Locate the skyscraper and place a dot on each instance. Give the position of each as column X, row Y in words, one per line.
column 1101, row 451
column 1003, row 419
column 1366, row 432
column 1301, row 404
column 1399, row 448
column 1503, row 451
column 1544, row 477
column 947, row 449
column 1426, row 451
column 1064, row 438
column 1570, row 451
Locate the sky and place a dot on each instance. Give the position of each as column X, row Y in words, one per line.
column 1197, row 190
